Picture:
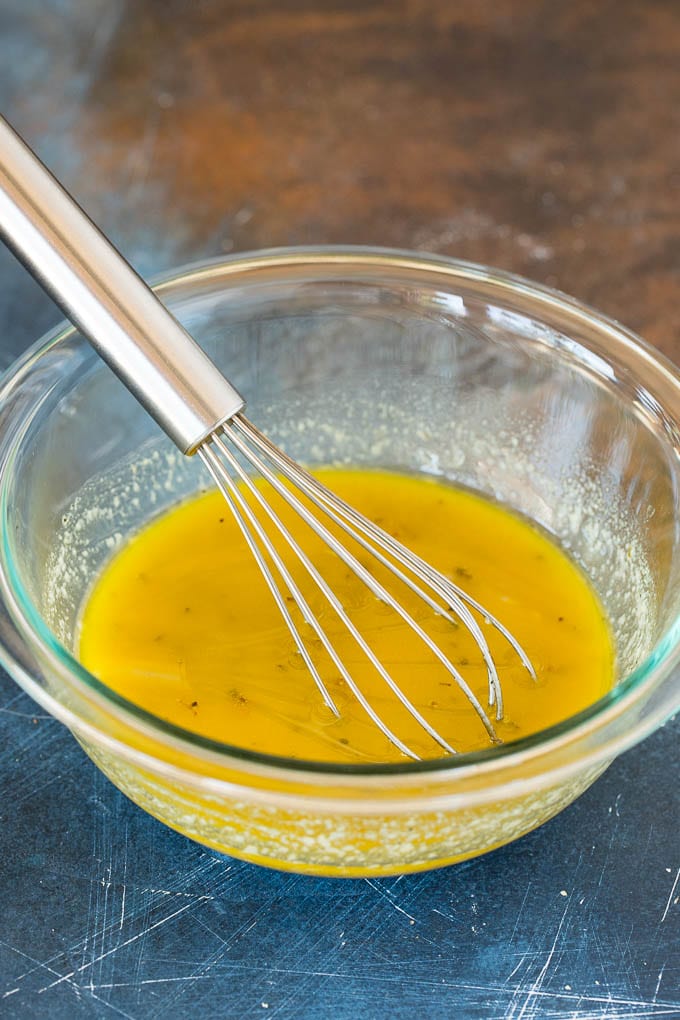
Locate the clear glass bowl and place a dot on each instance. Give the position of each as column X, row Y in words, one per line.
column 377, row 358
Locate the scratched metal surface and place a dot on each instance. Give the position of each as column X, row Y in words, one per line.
column 539, row 137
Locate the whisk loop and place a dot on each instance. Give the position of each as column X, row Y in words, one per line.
column 239, row 435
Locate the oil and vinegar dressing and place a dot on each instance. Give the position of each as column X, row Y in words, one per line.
column 181, row 623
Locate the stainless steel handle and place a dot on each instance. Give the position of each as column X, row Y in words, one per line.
column 106, row 299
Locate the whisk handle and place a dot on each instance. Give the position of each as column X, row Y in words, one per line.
column 108, row 301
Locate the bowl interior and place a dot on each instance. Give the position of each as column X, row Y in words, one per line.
column 415, row 369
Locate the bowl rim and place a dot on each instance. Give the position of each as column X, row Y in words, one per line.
column 632, row 689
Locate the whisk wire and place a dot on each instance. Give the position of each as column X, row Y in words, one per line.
column 240, row 433
column 330, row 597
column 455, row 596
column 240, row 511
column 364, row 575
column 360, row 529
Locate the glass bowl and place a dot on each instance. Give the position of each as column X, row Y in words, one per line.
column 363, row 357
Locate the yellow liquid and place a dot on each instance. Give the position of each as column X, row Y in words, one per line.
column 182, row 623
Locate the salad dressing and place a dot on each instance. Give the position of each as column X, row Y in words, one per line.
column 181, row 623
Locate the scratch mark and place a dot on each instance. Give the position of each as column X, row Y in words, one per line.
column 24, row 715
column 144, row 981
column 100, row 930
column 110, row 1005
column 172, row 892
column 615, row 1007
column 127, row 942
column 204, row 969
column 520, row 912
column 538, row 983
column 200, row 972
column 122, row 907
column 38, row 964
column 670, row 897
column 390, row 900
column 124, row 882
column 523, row 958
column 658, row 983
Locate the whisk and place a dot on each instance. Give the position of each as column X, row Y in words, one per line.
column 202, row 413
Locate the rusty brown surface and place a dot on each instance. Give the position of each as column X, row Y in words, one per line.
column 542, row 136
column 538, row 136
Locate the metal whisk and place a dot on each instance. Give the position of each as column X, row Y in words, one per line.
column 202, row 413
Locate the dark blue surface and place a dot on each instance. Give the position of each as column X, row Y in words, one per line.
column 107, row 912
column 104, row 911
